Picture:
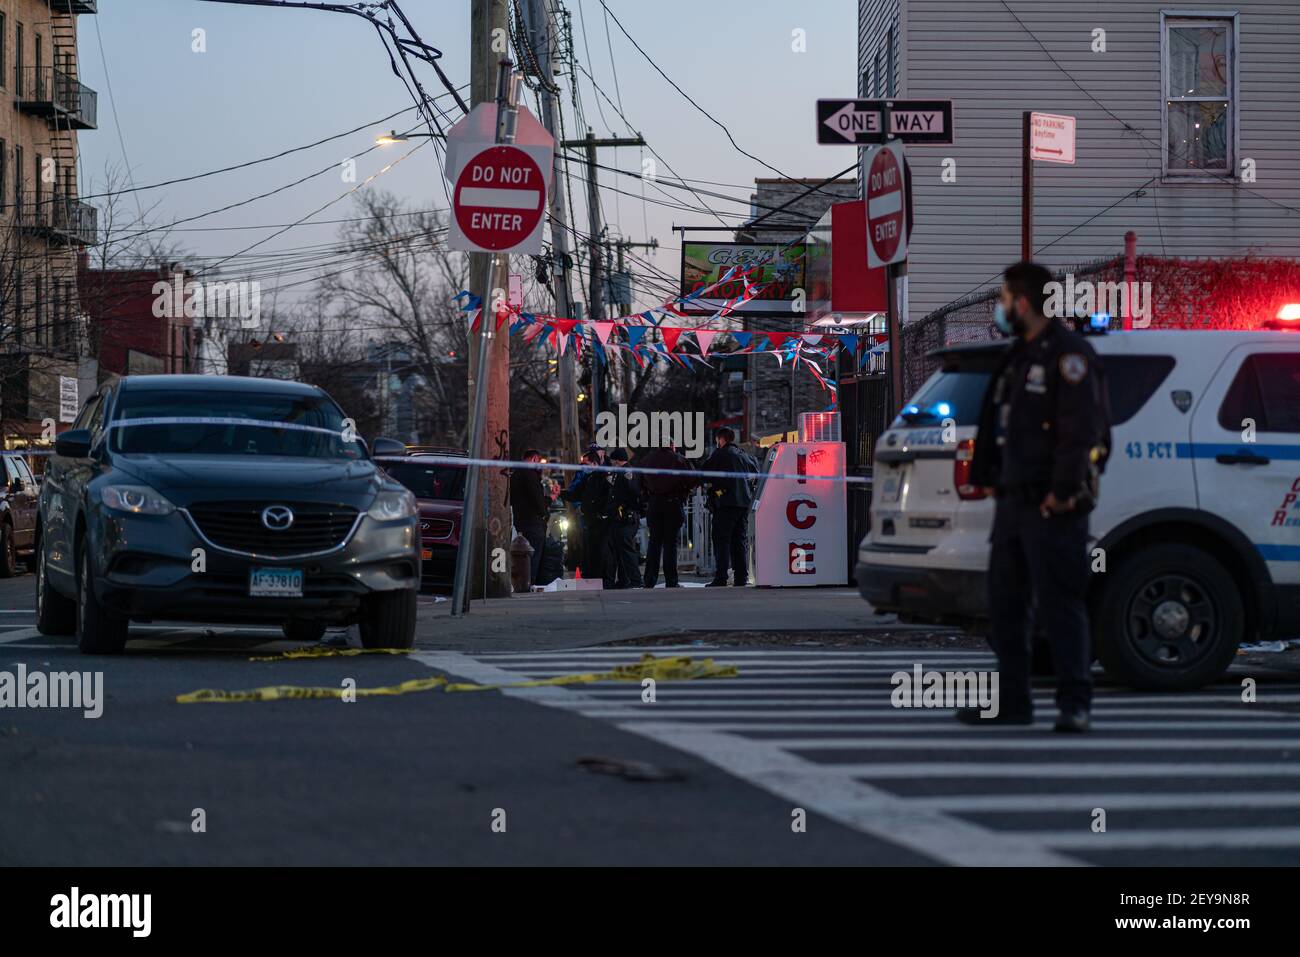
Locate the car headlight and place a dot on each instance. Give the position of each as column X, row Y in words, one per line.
column 136, row 499
column 389, row 506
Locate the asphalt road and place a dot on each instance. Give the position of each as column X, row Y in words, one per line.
column 422, row 778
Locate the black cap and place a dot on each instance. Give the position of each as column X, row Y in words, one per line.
column 618, row 455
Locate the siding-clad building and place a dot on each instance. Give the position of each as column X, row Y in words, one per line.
column 1188, row 129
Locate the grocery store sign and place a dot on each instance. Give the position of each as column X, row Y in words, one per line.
column 776, row 269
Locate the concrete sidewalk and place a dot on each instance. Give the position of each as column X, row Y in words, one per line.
column 571, row 619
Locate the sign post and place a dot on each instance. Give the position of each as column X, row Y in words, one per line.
column 887, row 235
column 1048, row 137
column 496, row 158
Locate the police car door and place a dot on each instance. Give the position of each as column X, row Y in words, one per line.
column 1246, row 448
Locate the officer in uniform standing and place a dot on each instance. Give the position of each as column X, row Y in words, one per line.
column 1043, row 439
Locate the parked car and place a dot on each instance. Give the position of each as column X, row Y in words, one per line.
column 221, row 499
column 439, row 490
column 1198, row 526
column 18, row 500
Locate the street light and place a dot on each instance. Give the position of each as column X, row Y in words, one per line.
column 390, row 139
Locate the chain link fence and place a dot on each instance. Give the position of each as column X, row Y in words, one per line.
column 971, row 320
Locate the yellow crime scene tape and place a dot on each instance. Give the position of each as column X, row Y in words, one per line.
column 314, row 651
column 660, row 669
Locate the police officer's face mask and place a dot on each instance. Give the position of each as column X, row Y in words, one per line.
column 1008, row 321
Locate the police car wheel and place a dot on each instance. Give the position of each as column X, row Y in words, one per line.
column 1169, row 618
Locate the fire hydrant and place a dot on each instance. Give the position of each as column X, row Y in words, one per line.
column 521, row 564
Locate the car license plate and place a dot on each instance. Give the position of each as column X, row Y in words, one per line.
column 891, row 484
column 275, row 583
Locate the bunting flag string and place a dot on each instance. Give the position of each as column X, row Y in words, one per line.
column 564, row 334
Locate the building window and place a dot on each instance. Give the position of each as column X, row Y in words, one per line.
column 18, row 59
column 880, row 74
column 18, row 178
column 1200, row 90
column 4, row 37
column 4, row 175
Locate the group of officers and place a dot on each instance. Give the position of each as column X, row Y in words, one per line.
column 1042, row 443
column 611, row 501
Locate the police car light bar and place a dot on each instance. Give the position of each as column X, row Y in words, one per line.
column 1289, row 313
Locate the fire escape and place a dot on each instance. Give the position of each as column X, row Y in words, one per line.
column 51, row 90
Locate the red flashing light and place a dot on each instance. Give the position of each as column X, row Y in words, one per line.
column 961, row 470
column 1289, row 313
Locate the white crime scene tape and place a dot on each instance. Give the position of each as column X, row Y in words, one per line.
column 462, row 461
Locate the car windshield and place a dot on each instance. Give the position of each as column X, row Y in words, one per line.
column 948, row 395
column 429, row 479
column 302, row 426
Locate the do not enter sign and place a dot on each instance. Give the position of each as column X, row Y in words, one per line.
column 499, row 200
column 887, row 225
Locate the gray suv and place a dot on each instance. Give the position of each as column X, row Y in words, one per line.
column 221, row 499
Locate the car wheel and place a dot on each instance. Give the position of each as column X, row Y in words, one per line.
column 99, row 631
column 295, row 629
column 388, row 619
column 55, row 614
column 8, row 551
column 1170, row 619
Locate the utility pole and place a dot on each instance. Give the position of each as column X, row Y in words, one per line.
column 596, row 300
column 489, row 354
column 623, row 245
column 541, row 37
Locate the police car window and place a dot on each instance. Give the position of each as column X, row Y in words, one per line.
column 955, row 395
column 1131, row 381
column 1265, row 390
column 23, row 471
column 1278, row 375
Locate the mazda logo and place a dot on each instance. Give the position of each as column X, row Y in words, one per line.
column 277, row 517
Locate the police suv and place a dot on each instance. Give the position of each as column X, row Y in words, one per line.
column 1196, row 538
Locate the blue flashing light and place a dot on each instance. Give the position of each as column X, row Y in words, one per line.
column 943, row 408
column 1099, row 321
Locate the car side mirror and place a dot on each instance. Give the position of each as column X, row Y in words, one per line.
column 387, row 447
column 73, row 444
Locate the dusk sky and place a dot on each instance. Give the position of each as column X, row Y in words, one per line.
column 260, row 89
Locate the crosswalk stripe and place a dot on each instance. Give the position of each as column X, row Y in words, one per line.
column 797, row 724
column 790, row 713
column 1026, row 770
column 1102, row 720
column 1181, row 838
column 1146, row 801
column 954, row 740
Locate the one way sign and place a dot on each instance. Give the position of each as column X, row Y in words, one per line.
column 869, row 122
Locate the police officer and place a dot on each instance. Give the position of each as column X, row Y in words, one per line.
column 590, row 492
column 625, row 507
column 665, row 512
column 730, row 499
column 1043, row 437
